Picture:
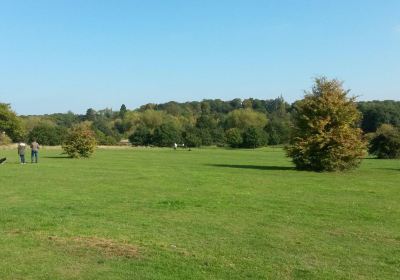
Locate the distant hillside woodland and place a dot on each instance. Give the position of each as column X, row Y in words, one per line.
column 237, row 123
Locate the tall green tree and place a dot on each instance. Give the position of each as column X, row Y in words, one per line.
column 192, row 137
column 10, row 123
column 141, row 137
column 326, row 136
column 254, row 137
column 122, row 111
column 234, row 137
column 245, row 118
column 166, row 135
column 90, row 114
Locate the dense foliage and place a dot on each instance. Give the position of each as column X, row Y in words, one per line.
column 254, row 137
column 10, row 124
column 385, row 142
column 376, row 113
column 326, row 136
column 234, row 137
column 236, row 123
column 47, row 134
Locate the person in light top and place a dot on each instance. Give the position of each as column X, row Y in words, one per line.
column 21, row 152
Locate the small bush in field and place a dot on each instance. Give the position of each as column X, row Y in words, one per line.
column 234, row 137
column 385, row 143
column 80, row 141
column 254, row 137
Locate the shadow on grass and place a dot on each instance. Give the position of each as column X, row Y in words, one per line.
column 56, row 157
column 256, row 167
column 391, row 169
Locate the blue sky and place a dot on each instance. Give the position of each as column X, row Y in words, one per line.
column 61, row 55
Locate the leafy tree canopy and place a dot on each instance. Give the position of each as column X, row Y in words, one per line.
column 80, row 141
column 326, row 136
column 10, row 123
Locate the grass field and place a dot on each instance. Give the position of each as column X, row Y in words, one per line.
column 204, row 214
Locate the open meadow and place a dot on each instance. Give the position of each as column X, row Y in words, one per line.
column 205, row 214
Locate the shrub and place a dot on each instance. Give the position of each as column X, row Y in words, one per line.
column 141, row 137
column 218, row 136
column 192, row 138
column 234, row 137
column 206, row 137
column 326, row 136
column 385, row 143
column 80, row 141
column 103, row 139
column 254, row 137
column 47, row 135
column 166, row 135
column 278, row 131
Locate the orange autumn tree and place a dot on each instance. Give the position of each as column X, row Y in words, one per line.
column 80, row 141
column 326, row 136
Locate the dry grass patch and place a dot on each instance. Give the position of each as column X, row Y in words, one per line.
column 14, row 232
column 107, row 247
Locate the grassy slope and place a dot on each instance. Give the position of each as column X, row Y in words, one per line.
column 205, row 214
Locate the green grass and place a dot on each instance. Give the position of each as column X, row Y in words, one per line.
column 204, row 214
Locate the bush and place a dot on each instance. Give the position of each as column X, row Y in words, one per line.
column 191, row 138
column 141, row 137
column 254, row 137
column 166, row 135
column 206, row 137
column 80, row 141
column 218, row 136
column 103, row 139
column 234, row 137
column 105, row 135
column 47, row 135
column 326, row 136
column 385, row 142
column 278, row 131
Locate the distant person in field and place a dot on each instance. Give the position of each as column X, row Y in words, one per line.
column 34, row 151
column 175, row 146
column 21, row 152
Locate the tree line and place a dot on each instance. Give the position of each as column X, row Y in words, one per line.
column 248, row 123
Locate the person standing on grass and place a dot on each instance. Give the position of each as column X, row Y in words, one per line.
column 34, row 151
column 21, row 151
